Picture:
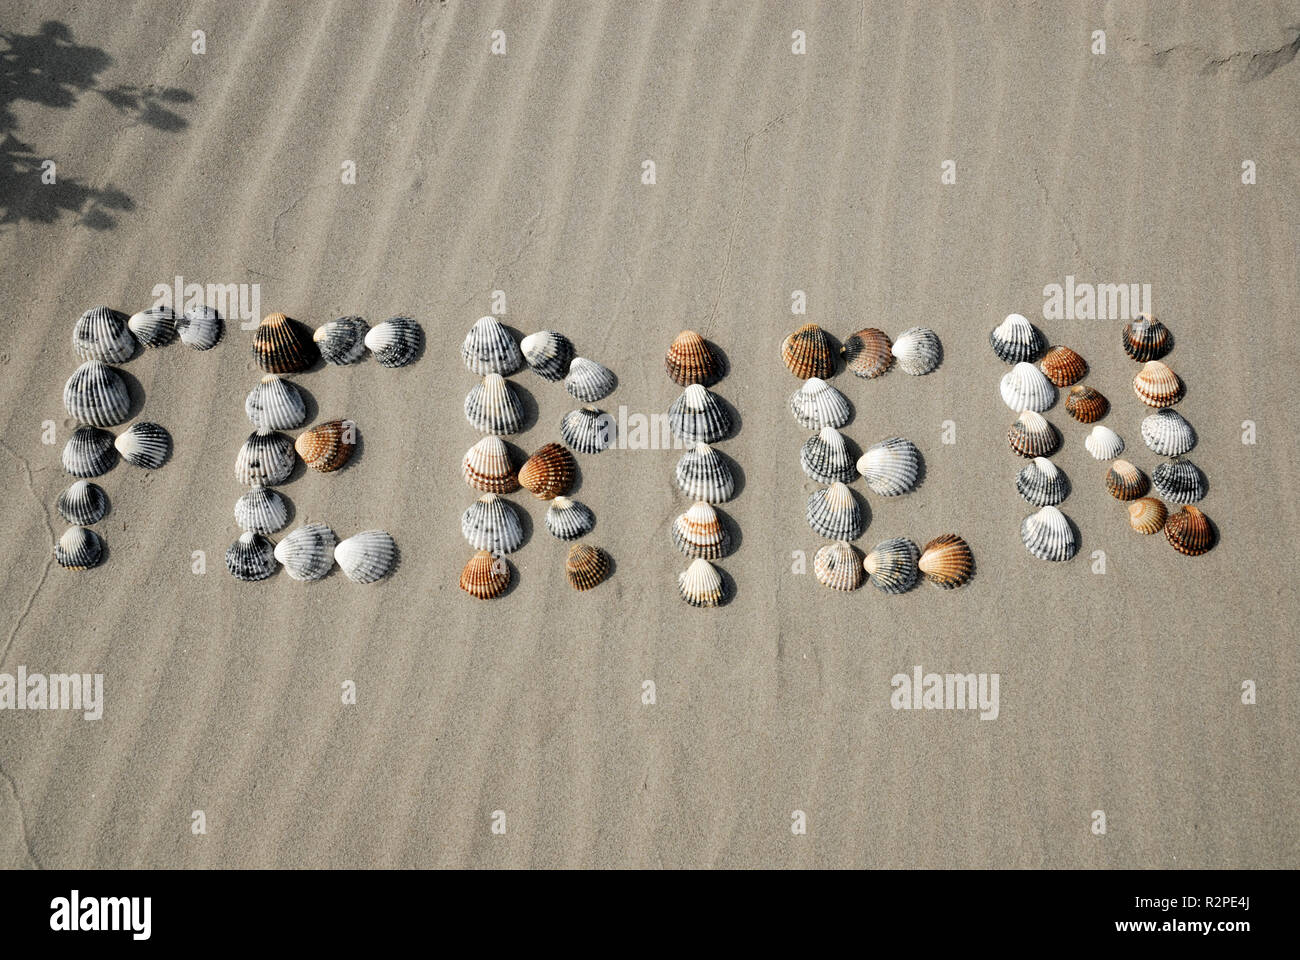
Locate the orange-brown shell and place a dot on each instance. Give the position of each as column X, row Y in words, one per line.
column 1125, row 481
column 690, row 360
column 1086, row 404
column 586, row 566
column 1147, row 515
column 485, row 576
column 807, row 352
column 327, row 446
column 1063, row 366
column 1188, row 531
column 868, row 353
column 279, row 346
column 1157, row 386
column 1032, row 435
column 947, row 561
column 549, row 472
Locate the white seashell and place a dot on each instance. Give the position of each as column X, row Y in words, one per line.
column 261, row 510
column 833, row 513
column 275, row 404
column 697, row 416
column 491, row 523
column 1179, row 481
column 265, row 458
column 836, row 565
column 490, row 348
column 587, row 430
column 548, row 354
column 1104, row 443
column 917, row 351
column 825, row 457
column 79, row 549
column 1042, row 483
column 83, row 503
column 395, row 342
column 891, row 467
column 1025, row 387
column 1047, row 535
column 342, row 341
column 699, row 533
column 568, row 519
column 487, row 466
column 700, row 584
column 892, row 565
column 817, row 404
column 703, row 475
column 366, row 557
column 251, row 557
column 144, row 444
column 89, row 452
column 97, row 395
column 103, row 334
column 199, row 327
column 493, row 407
column 1166, row 433
column 589, row 381
column 155, row 327
column 308, row 552
column 1016, row 340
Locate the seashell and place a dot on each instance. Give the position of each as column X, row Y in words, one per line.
column 487, row 467
column 807, row 352
column 697, row 416
column 825, row 457
column 549, row 472
column 327, row 446
column 1125, row 481
column 493, row 407
column 548, row 354
column 97, row 395
column 1016, row 340
column 586, row 566
column 690, row 360
column 1025, row 387
column 1104, row 443
column 836, row 565
column 833, row 513
column 251, row 557
column 1179, row 481
column 79, row 549
column 308, row 552
column 1146, row 338
column 261, row 510
column 702, row 474
column 144, row 444
column 1042, row 483
column 1032, row 436
column 1147, row 515
column 1086, row 404
column 89, row 452
column 1166, row 433
column 891, row 565
column 102, row 334
column 155, row 327
column 589, row 381
column 699, row 533
column 1063, row 366
column 395, row 342
column 587, row 430
column 265, row 458
column 891, row 467
column 281, row 346
column 83, row 503
column 1189, row 532
column 490, row 348
column 485, row 576
column 917, row 351
column 700, row 584
column 1047, row 535
column 868, row 353
column 366, row 557
column 275, row 404
column 492, row 524
column 817, row 404
column 568, row 519
column 947, row 560
column 199, row 328
column 1157, row 386
column 342, row 341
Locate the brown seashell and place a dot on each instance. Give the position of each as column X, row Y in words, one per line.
column 327, row 446
column 1157, row 386
column 690, row 360
column 807, row 352
column 1188, row 531
column 1147, row 515
column 947, row 561
column 1146, row 338
column 1086, row 404
column 1125, row 481
column 279, row 346
column 868, row 353
column 586, row 566
column 1033, row 436
column 1063, row 366
column 549, row 472
column 485, row 576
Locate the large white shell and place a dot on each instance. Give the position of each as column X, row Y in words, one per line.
column 697, row 416
column 548, row 354
column 891, row 467
column 199, row 328
column 490, row 348
column 568, row 519
column 833, row 513
column 493, row 407
column 589, row 381
column 1042, row 483
column 341, row 342
column 103, row 334
column 89, row 452
column 817, row 404
column 1104, row 443
column 144, row 444
column 154, row 327
column 1166, row 433
column 917, row 351
column 587, row 430
column 492, row 524
column 700, row 584
column 395, row 342
column 1025, row 387
column 703, row 475
column 825, row 457
column 1047, row 535
column 265, row 458
column 308, row 552
column 275, row 404
column 1016, row 340
column 366, row 557
column 97, row 395
column 83, row 503
column 79, row 549
column 261, row 510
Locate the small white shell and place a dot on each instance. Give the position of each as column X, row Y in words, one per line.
column 492, row 524
column 1047, row 535
column 917, row 351
column 493, row 407
column 341, row 342
column 366, row 557
column 699, row 533
column 275, row 404
column 891, row 467
column 79, row 549
column 251, row 557
column 825, row 457
column 308, row 552
column 703, row 475
column 261, row 510
column 1042, row 483
column 833, row 513
column 265, row 458
column 587, row 430
column 490, row 348
column 487, row 466
column 83, row 503
column 817, row 404
column 568, row 519
column 700, row 584
column 548, row 354
column 103, row 334
column 395, row 342
column 589, row 381
column 144, row 444
column 1025, row 387
column 89, row 452
column 1166, row 433
column 155, row 327
column 1016, row 340
column 199, row 328
column 697, row 416
column 97, row 395
column 1104, row 443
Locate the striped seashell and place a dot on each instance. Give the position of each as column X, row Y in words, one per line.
column 807, row 352
column 892, row 565
column 825, row 457
column 868, row 353
column 1016, row 340
column 1157, row 386
column 833, row 513
column 587, row 430
column 1063, row 366
column 1103, row 443
column 343, row 341
column 485, row 576
column 1125, row 481
column 891, row 467
column 549, row 472
column 702, row 474
column 1086, row 404
column 366, row 557
column 1166, row 433
column 97, row 395
column 199, row 328
column 79, row 549
column 1146, row 338
column 697, row 416
column 83, row 503
column 144, row 444
column 817, row 404
column 490, row 348
column 1042, row 483
column 1032, row 436
column 548, row 354
column 699, row 533
column 327, row 446
column 307, row 553
column 493, row 406
column 275, row 404
column 1048, row 536
column 261, row 510
column 947, row 560
column 1189, row 532
column 691, row 360
column 89, row 452
column 1179, row 481
column 837, row 566
column 102, row 334
column 280, row 345
column 568, row 519
column 700, row 584
column 917, row 351
column 265, row 458
column 487, row 467
column 491, row 523
column 395, row 342
column 1147, row 515
column 589, row 381
column 586, row 566
column 154, row 327
column 251, row 557
column 1024, row 387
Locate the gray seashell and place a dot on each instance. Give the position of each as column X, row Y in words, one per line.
column 275, row 404
column 366, row 557
column 79, row 549
column 548, row 354
column 251, row 557
column 697, row 416
column 587, row 430
column 703, row 475
column 1016, row 340
column 700, row 584
column 308, row 552
column 490, row 348
column 261, row 510
column 1047, row 535
column 891, row 564
column 1042, row 483
column 699, row 533
column 155, row 327
column 199, row 327
column 817, row 404
column 144, row 444
column 1168, row 434
column 265, row 458
column 83, row 503
column 342, row 342
column 568, row 519
column 1179, row 481
column 395, row 342
column 825, row 457
column 917, row 351
column 891, row 467
column 96, row 394
column 89, row 452
column 1103, row 443
column 492, row 524
column 103, row 334
column 589, row 381
column 1025, row 387
column 833, row 513
column 493, row 407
